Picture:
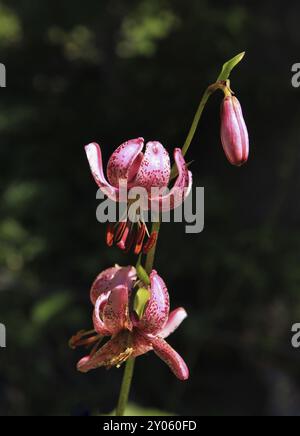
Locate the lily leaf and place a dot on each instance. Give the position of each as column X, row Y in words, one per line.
column 142, row 274
column 141, row 299
column 229, row 66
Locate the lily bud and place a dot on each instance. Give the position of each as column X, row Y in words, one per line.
column 234, row 133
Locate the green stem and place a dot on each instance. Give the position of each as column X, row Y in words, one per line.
column 125, row 388
column 151, row 255
column 129, row 368
column 223, row 86
column 196, row 120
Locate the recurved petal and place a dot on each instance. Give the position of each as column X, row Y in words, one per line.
column 94, row 156
column 125, row 161
column 175, row 362
column 110, row 279
column 176, row 317
column 113, row 353
column 155, row 168
column 157, row 310
column 98, row 322
column 116, row 311
column 180, row 190
column 140, row 344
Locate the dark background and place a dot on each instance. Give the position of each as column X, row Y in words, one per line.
column 113, row 70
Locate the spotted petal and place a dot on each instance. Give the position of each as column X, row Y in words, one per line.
column 116, row 311
column 113, row 353
column 125, row 161
column 180, row 190
column 155, row 168
column 157, row 310
column 141, row 344
column 175, row 362
column 176, row 317
column 110, row 279
column 94, row 156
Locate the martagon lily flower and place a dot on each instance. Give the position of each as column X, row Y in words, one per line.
column 131, row 334
column 129, row 166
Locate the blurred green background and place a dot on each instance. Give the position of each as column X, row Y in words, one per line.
column 113, row 70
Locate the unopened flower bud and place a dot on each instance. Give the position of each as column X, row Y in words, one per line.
column 234, row 133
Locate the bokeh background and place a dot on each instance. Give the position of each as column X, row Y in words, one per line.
column 109, row 70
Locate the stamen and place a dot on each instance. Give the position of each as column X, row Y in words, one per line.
column 122, row 243
column 78, row 339
column 150, row 243
column 95, row 347
column 110, row 233
column 140, row 239
column 130, row 239
column 121, row 358
column 147, row 231
column 120, row 231
column 89, row 341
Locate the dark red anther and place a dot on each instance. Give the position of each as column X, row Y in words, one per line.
column 131, row 239
column 120, row 231
column 140, row 239
column 122, row 244
column 110, row 233
column 150, row 243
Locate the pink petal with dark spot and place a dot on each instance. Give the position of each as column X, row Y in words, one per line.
column 176, row 317
column 180, row 190
column 124, row 162
column 94, row 156
column 109, row 355
column 116, row 312
column 155, row 168
column 110, row 279
column 141, row 344
column 157, row 310
column 171, row 358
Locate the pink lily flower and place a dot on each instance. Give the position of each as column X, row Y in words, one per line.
column 129, row 166
column 131, row 335
column 234, row 133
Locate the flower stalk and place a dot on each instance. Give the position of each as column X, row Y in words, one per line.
column 125, row 388
column 139, row 328
column 129, row 366
column 150, row 259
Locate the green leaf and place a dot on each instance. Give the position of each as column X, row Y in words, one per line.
column 229, row 66
column 142, row 274
column 141, row 299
